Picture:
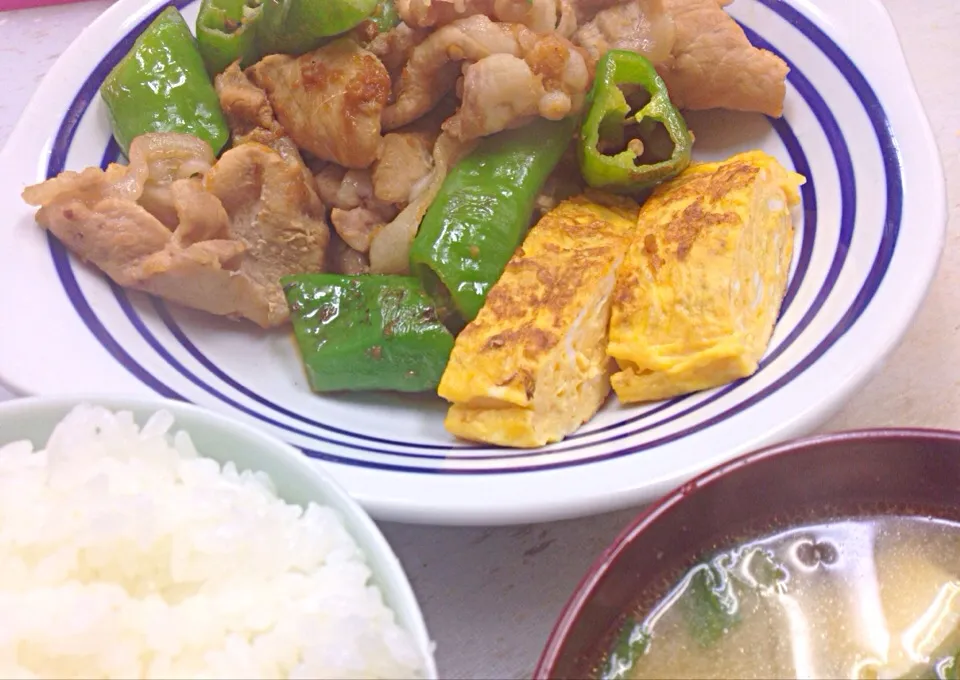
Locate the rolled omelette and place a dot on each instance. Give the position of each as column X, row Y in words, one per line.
column 700, row 289
column 532, row 367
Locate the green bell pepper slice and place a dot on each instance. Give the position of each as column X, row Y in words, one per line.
column 369, row 332
column 247, row 30
column 227, row 31
column 162, row 85
column 482, row 212
column 632, row 136
column 299, row 26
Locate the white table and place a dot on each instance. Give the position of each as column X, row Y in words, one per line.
column 491, row 595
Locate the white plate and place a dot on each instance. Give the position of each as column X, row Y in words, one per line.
column 870, row 235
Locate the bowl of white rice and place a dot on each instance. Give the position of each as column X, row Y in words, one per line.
column 155, row 539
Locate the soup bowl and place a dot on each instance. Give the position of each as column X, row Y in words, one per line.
column 906, row 472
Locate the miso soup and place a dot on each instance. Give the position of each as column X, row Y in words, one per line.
column 871, row 597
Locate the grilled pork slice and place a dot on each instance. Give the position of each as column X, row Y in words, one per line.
column 328, row 101
column 532, row 367
column 216, row 238
column 701, row 287
column 714, row 66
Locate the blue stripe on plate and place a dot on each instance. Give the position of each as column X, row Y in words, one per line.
column 894, row 205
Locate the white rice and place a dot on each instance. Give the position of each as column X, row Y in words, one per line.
column 124, row 554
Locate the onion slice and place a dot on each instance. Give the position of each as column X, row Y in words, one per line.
column 390, row 247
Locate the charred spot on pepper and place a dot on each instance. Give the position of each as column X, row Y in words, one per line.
column 429, row 315
column 445, row 310
column 326, row 312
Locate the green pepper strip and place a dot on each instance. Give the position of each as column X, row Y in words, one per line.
column 370, row 332
column 227, row 31
column 623, row 149
column 482, row 212
column 162, row 85
column 299, row 26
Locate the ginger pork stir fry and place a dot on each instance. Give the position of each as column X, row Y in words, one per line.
column 289, row 152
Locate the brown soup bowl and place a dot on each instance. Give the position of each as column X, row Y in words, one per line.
column 907, row 472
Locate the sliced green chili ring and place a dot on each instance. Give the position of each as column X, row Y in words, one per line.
column 227, row 31
column 632, row 136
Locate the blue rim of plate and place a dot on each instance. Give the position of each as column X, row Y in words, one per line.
column 890, row 234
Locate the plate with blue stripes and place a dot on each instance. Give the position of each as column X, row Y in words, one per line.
column 869, row 234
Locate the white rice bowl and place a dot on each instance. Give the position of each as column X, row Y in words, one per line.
column 125, row 554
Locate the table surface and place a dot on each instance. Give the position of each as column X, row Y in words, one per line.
column 490, row 595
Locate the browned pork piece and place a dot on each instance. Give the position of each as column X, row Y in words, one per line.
column 642, row 26
column 585, row 10
column 713, row 65
column 405, row 158
column 251, row 117
column 159, row 163
column 428, row 13
column 247, row 109
column 434, row 66
column 328, row 101
column 357, row 214
column 250, row 219
column 518, row 74
column 503, row 91
column 394, row 47
column 343, row 259
column 541, row 16
column 358, row 226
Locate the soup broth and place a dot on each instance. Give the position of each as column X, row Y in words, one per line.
column 874, row 597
